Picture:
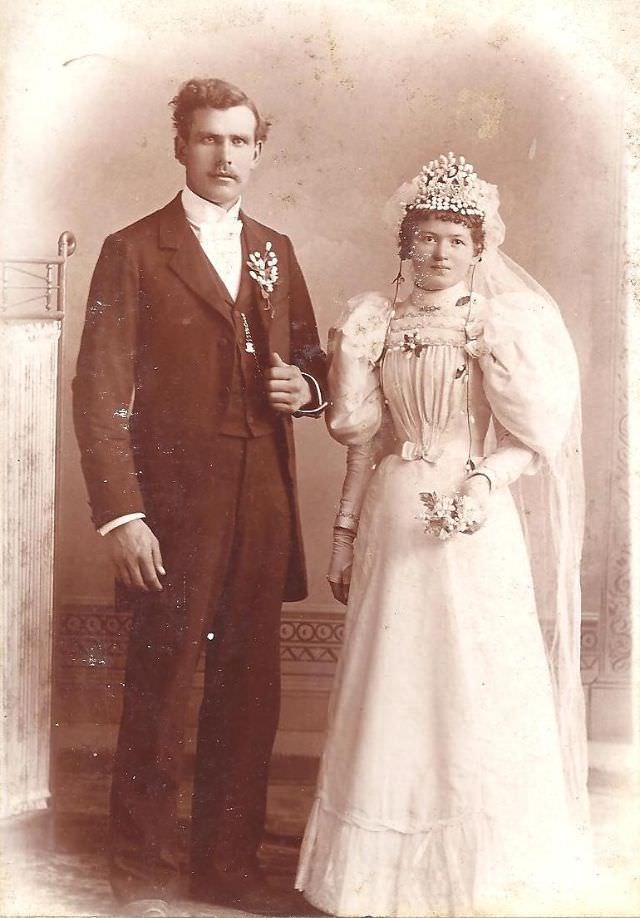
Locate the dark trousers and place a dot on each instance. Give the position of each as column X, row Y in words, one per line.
column 226, row 571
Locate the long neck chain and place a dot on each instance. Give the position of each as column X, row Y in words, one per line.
column 468, row 302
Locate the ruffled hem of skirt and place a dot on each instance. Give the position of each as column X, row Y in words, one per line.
column 455, row 868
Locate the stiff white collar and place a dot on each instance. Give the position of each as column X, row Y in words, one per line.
column 439, row 299
column 201, row 212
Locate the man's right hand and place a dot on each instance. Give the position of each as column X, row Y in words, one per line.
column 135, row 553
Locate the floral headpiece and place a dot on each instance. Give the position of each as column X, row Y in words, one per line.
column 448, row 183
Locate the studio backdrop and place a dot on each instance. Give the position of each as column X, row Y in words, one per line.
column 360, row 95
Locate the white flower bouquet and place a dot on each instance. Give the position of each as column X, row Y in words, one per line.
column 445, row 515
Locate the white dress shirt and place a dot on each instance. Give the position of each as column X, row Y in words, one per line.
column 218, row 232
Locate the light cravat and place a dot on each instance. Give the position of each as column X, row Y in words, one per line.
column 218, row 232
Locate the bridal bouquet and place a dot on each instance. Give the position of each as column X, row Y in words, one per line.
column 447, row 514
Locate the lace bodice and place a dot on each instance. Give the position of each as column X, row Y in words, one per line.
column 431, row 385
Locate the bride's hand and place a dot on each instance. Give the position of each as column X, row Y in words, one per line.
column 477, row 492
column 340, row 587
column 339, row 574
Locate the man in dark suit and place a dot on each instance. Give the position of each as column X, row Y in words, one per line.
column 199, row 345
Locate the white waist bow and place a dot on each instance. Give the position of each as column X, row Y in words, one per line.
column 410, row 451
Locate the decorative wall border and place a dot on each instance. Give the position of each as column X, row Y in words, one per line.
column 89, row 660
column 617, row 614
column 96, row 636
column 617, row 645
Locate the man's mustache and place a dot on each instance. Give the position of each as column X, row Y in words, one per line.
column 224, row 173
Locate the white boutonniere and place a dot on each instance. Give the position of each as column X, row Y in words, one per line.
column 264, row 270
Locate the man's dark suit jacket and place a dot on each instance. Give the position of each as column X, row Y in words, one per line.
column 155, row 364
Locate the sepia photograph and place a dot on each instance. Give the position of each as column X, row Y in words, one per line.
column 319, row 352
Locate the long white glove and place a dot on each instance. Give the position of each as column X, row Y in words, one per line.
column 500, row 468
column 361, row 463
column 508, row 461
column 339, row 575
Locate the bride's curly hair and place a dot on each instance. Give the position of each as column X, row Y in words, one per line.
column 412, row 217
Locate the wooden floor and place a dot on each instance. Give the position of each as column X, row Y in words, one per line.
column 54, row 863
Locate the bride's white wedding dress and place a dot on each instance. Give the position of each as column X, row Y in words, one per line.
column 441, row 789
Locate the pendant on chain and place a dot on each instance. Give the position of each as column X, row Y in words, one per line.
column 249, row 346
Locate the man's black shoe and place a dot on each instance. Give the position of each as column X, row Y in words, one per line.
column 147, row 908
column 251, row 893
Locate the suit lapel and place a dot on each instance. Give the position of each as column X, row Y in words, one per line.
column 248, row 290
column 189, row 261
column 255, row 238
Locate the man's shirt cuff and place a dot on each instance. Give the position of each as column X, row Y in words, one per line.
column 119, row 521
column 317, row 402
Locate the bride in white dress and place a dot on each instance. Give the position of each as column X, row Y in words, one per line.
column 453, row 781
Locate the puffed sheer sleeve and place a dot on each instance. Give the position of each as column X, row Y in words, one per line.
column 362, row 460
column 531, row 380
column 355, row 347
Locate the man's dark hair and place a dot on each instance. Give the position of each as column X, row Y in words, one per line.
column 211, row 93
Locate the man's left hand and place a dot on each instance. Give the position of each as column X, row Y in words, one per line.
column 287, row 389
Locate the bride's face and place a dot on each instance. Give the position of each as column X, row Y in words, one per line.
column 442, row 253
